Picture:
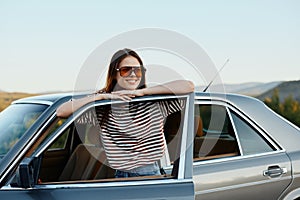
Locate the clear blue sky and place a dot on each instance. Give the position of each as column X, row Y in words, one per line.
column 43, row 44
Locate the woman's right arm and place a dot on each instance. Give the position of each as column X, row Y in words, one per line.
column 67, row 108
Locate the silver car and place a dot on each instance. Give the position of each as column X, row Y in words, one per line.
column 220, row 146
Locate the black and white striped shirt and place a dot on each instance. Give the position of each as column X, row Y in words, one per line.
column 132, row 133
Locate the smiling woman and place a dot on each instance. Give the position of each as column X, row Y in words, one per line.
column 139, row 128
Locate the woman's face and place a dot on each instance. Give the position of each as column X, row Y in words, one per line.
column 129, row 81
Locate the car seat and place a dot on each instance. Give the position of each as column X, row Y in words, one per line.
column 87, row 161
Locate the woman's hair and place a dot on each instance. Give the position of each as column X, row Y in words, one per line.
column 111, row 79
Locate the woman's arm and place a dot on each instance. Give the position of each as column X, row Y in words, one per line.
column 173, row 87
column 67, row 108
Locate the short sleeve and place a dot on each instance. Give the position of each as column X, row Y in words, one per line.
column 171, row 106
column 88, row 117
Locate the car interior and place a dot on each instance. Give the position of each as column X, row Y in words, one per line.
column 78, row 155
column 214, row 134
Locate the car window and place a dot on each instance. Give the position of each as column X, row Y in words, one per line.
column 61, row 142
column 55, row 156
column 251, row 141
column 214, row 134
column 80, row 152
column 15, row 121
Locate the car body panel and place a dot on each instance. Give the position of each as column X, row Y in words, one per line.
column 150, row 190
column 232, row 178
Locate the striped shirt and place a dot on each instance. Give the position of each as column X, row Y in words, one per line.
column 132, row 133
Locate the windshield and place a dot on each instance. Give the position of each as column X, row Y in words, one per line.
column 14, row 121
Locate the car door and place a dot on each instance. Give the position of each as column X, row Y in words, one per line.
column 31, row 181
column 234, row 158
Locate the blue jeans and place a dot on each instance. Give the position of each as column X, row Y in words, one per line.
column 147, row 170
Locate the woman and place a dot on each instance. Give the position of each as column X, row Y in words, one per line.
column 131, row 149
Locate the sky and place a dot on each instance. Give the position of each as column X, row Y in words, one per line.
column 44, row 44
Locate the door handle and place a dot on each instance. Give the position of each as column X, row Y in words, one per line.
column 274, row 171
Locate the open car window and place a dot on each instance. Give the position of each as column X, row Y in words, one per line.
column 76, row 151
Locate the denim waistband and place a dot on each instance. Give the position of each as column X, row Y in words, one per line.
column 143, row 169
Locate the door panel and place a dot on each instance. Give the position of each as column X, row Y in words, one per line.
column 241, row 177
column 169, row 190
column 176, row 186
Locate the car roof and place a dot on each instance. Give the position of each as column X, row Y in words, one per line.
column 47, row 99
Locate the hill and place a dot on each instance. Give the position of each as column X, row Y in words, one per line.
column 285, row 89
column 250, row 88
column 7, row 97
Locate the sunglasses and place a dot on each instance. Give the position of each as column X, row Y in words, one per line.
column 127, row 70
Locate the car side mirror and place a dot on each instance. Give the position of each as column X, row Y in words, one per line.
column 27, row 173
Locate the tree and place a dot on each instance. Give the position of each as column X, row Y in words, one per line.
column 274, row 101
column 289, row 108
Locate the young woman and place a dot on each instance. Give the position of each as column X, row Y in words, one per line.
column 132, row 135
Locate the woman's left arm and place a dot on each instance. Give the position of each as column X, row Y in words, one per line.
column 173, row 87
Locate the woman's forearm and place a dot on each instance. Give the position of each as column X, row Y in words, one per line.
column 67, row 108
column 173, row 87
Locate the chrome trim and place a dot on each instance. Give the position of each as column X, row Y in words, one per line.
column 235, row 131
column 114, row 184
column 181, row 168
column 209, row 98
column 202, row 162
column 104, row 184
column 44, row 102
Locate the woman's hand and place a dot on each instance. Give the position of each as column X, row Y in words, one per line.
column 112, row 96
column 130, row 93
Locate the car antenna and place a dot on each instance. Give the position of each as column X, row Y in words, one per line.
column 216, row 75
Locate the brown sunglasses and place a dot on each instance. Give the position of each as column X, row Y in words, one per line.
column 127, row 70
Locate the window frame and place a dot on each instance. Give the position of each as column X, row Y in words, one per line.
column 216, row 103
column 182, row 174
column 258, row 129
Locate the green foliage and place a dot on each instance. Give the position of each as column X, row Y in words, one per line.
column 289, row 108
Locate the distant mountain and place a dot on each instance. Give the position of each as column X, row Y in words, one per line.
column 285, row 89
column 250, row 88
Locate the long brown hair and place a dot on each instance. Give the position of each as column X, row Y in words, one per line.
column 111, row 79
